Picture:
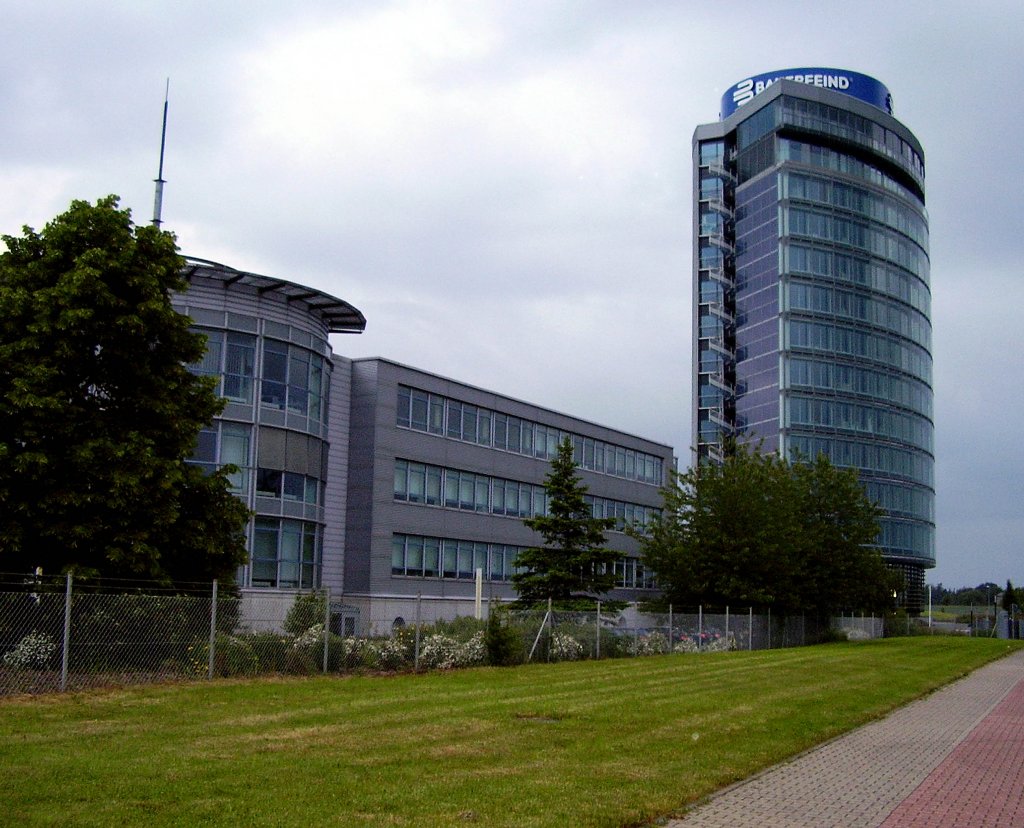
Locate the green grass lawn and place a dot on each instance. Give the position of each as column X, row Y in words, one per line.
column 608, row 743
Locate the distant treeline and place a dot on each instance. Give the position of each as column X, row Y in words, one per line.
column 966, row 596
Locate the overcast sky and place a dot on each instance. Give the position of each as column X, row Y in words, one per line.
column 503, row 188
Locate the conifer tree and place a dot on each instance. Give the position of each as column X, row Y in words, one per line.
column 573, row 562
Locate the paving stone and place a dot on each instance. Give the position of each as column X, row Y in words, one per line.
column 955, row 757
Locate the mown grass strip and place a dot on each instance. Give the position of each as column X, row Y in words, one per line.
column 608, row 743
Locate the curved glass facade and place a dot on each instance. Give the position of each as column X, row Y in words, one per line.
column 272, row 362
column 812, row 321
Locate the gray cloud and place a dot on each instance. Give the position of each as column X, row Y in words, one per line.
column 504, row 189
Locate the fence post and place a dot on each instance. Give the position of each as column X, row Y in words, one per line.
column 416, row 648
column 769, row 628
column 327, row 622
column 67, row 635
column 551, row 627
column 727, row 627
column 750, row 630
column 213, row 630
column 670, row 628
column 636, row 628
column 597, row 646
column 700, row 627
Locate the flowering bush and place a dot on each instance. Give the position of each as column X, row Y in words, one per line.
column 313, row 637
column 439, row 651
column 565, row 648
column 654, row 643
column 473, row 651
column 442, row 652
column 389, row 653
column 33, row 652
column 715, row 644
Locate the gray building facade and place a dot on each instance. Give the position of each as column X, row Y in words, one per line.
column 388, row 485
column 441, row 475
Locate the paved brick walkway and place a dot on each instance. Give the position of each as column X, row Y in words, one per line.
column 953, row 758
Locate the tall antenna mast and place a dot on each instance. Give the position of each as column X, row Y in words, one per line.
column 158, row 201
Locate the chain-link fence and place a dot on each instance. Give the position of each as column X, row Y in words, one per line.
column 559, row 635
column 67, row 635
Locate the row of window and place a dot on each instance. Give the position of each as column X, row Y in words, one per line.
column 440, row 415
column 901, row 537
column 427, row 557
column 867, row 203
column 631, row 574
column 208, row 319
column 868, row 456
column 886, row 349
column 624, row 514
column 286, row 554
column 858, row 307
column 223, row 443
column 869, row 238
column 857, row 270
column 825, row 158
column 903, row 500
column 899, row 426
column 455, row 489
column 291, row 378
column 835, row 121
column 298, row 488
column 857, row 379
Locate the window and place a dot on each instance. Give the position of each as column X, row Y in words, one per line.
column 275, row 374
column 294, row 486
column 420, row 403
column 239, row 367
column 433, row 489
column 210, row 364
column 436, row 415
column 285, row 554
column 268, row 482
column 221, row 444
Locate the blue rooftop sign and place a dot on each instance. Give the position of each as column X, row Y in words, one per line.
column 864, row 87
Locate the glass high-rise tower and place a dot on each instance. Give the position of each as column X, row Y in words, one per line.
column 812, row 328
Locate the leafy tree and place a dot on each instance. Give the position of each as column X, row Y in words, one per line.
column 836, row 564
column 573, row 562
column 758, row 531
column 98, row 410
column 725, row 534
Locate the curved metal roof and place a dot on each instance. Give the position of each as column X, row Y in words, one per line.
column 338, row 315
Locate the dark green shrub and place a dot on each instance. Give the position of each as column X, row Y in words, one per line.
column 271, row 650
column 832, row 636
column 307, row 611
column 232, row 656
column 461, row 628
column 503, row 642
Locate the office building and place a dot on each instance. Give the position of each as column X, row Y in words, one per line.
column 812, row 327
column 389, row 485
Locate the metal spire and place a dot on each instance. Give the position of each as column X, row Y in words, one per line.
column 158, row 201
